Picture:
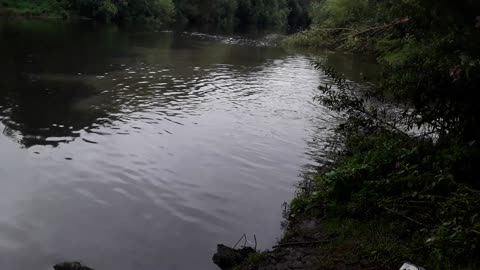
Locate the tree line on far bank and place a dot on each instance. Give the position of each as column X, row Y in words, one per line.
column 293, row 13
column 222, row 13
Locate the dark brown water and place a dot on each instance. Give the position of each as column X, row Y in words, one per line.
column 142, row 150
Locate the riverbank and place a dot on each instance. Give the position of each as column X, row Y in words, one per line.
column 328, row 244
column 404, row 187
column 389, row 199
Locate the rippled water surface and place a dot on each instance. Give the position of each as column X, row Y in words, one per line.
column 141, row 150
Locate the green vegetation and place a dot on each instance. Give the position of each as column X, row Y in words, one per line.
column 244, row 12
column 252, row 261
column 426, row 186
column 157, row 11
column 404, row 187
column 33, row 8
column 411, row 186
column 219, row 13
column 161, row 11
column 390, row 196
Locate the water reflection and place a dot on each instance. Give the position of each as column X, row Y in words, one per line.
column 56, row 83
column 49, row 109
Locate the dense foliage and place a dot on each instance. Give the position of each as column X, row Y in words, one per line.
column 431, row 71
column 299, row 17
column 124, row 9
column 222, row 13
column 159, row 11
column 34, row 8
column 244, row 12
column 396, row 179
column 425, row 186
column 429, row 51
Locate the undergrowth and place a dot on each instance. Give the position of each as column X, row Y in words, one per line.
column 415, row 186
column 420, row 169
column 379, row 243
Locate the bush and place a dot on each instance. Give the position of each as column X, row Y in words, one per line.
column 340, row 13
column 386, row 174
column 431, row 68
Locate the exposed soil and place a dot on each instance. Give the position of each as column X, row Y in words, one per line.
column 307, row 246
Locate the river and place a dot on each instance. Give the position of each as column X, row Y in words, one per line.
column 143, row 150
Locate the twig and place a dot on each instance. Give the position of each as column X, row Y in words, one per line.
column 255, row 237
column 384, row 122
column 402, row 215
column 406, row 20
column 472, row 190
column 336, row 28
column 301, row 243
column 243, row 236
column 377, row 28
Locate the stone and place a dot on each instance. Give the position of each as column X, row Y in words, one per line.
column 71, row 266
column 227, row 258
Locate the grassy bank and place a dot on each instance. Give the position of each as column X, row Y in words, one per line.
column 412, row 194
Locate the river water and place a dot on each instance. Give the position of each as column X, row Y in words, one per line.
column 143, row 150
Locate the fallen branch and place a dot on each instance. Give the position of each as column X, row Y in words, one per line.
column 404, row 216
column 244, row 236
column 301, row 243
column 376, row 29
column 402, row 21
column 336, row 29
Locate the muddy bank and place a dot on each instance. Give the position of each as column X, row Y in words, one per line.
column 337, row 244
column 303, row 247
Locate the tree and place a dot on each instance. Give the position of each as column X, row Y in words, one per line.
column 115, row 10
